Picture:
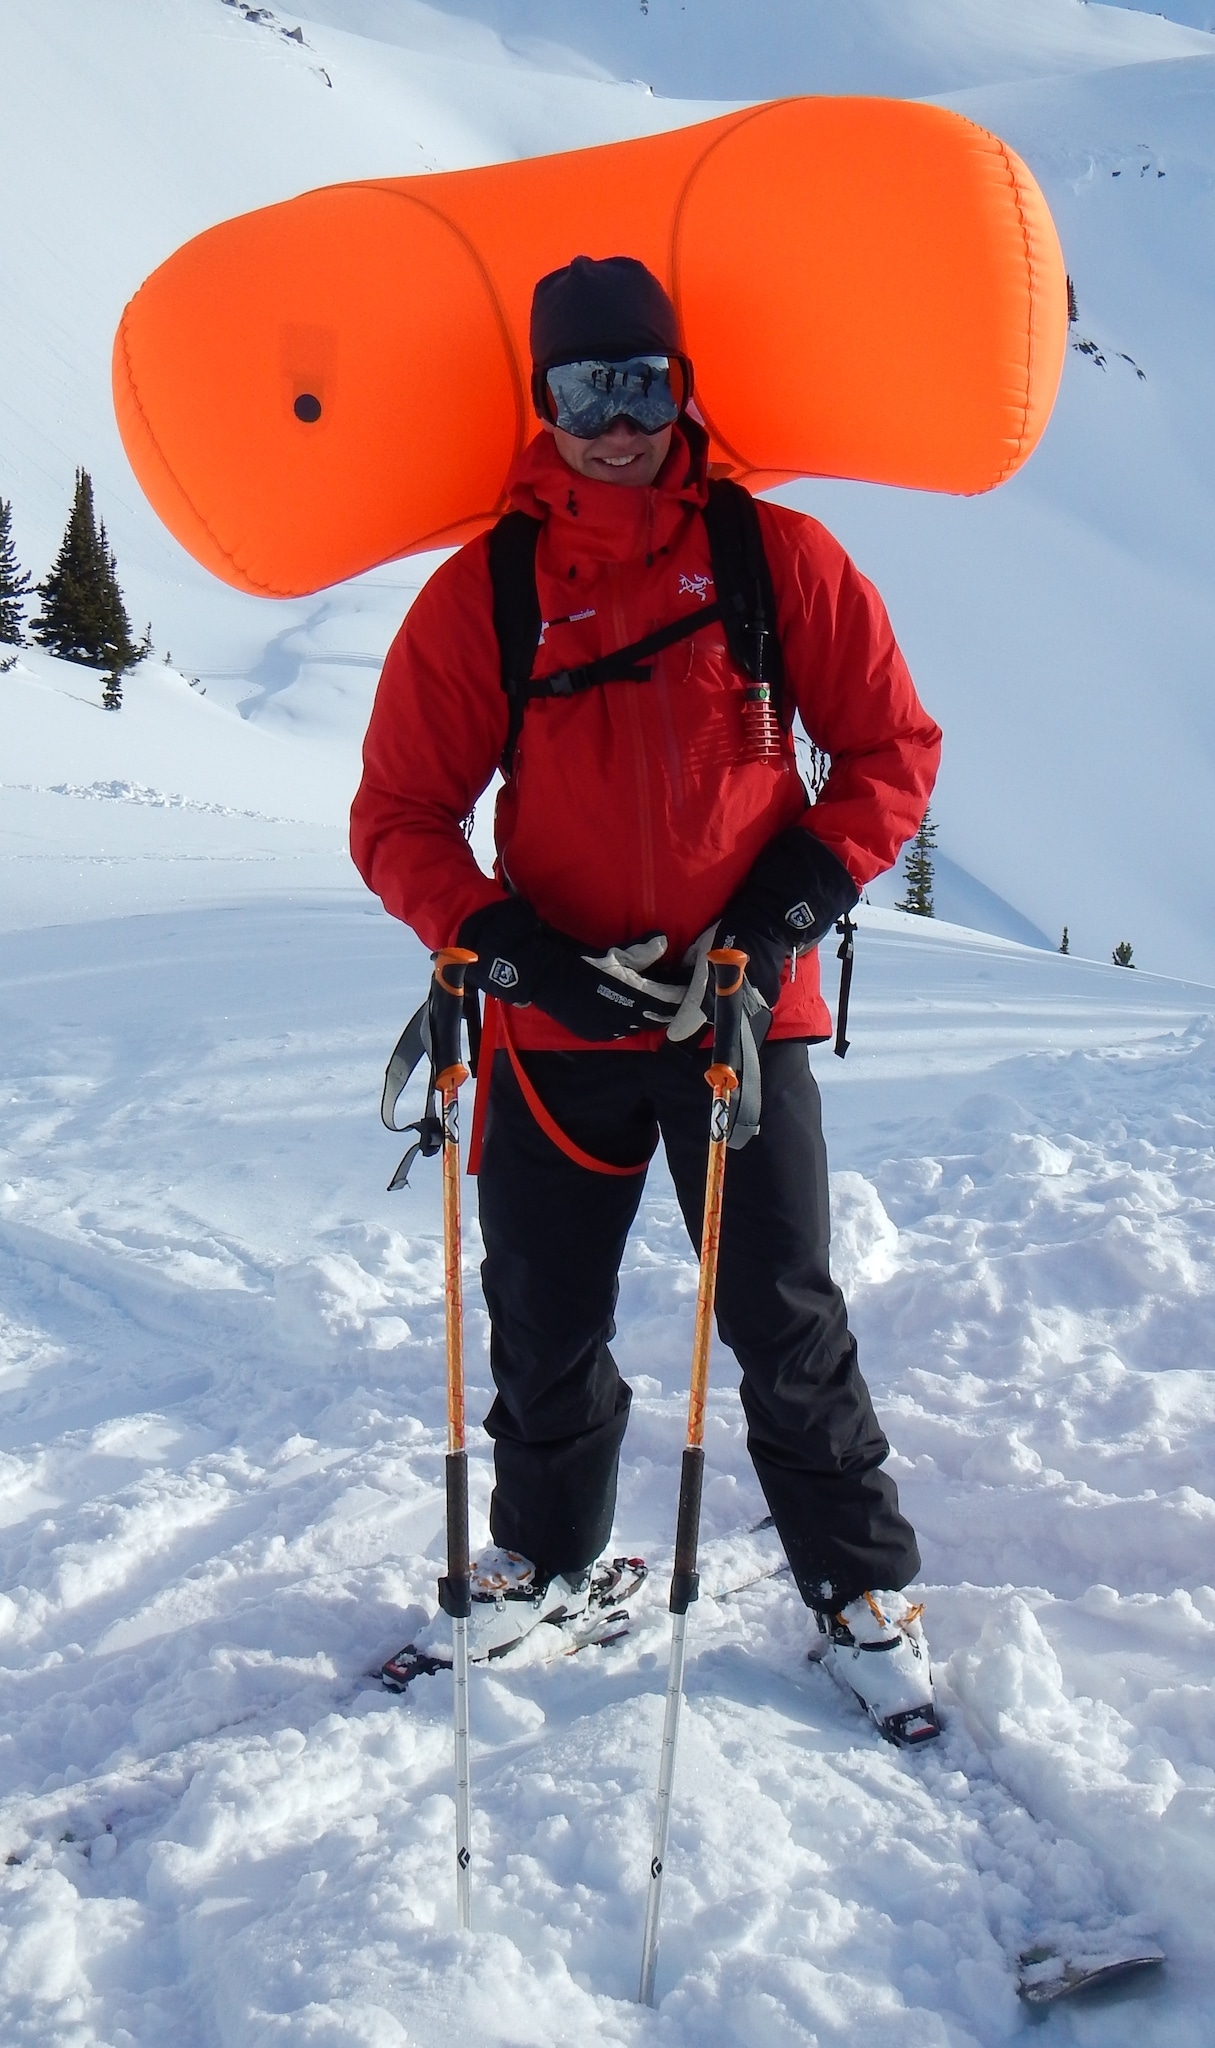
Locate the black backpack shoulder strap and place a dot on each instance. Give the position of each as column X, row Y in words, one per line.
column 743, row 583
column 745, row 599
column 517, row 621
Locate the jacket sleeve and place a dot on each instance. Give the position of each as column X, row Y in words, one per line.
column 854, row 695
column 436, row 734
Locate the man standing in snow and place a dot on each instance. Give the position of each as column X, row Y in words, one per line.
column 645, row 815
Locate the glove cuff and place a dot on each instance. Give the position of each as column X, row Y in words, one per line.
column 802, row 885
column 504, row 938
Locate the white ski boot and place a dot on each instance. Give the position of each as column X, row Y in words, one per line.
column 876, row 1649
column 508, row 1602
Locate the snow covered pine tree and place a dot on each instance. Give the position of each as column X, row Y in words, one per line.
column 83, row 617
column 918, row 870
column 13, row 584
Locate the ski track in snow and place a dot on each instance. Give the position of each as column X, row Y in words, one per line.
column 118, row 791
column 221, row 1378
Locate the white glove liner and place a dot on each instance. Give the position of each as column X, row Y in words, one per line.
column 689, row 1019
column 627, row 964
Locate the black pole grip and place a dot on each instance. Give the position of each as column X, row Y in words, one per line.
column 685, row 1579
column 728, row 966
column 447, row 1006
column 455, row 1593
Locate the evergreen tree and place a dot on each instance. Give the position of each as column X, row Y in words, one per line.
column 13, row 584
column 1122, row 954
column 918, row 871
column 111, row 695
column 1064, row 947
column 83, row 617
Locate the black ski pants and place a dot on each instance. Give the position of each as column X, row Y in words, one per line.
column 555, row 1234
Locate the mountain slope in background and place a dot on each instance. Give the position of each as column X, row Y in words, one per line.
column 1195, row 13
column 1063, row 627
column 1060, row 629
column 711, row 49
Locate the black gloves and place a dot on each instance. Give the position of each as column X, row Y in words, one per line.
column 596, row 996
column 790, row 900
column 795, row 891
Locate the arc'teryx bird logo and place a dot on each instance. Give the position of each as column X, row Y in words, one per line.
column 695, row 586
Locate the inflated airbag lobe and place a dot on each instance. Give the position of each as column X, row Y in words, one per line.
column 869, row 289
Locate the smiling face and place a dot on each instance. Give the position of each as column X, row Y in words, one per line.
column 624, row 455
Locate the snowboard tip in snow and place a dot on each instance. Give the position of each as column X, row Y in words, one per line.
column 1047, row 1974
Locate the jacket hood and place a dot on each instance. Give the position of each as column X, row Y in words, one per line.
column 613, row 519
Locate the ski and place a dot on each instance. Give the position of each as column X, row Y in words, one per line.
column 1106, row 1958
column 905, row 1730
column 612, row 1585
column 1047, row 1973
column 603, row 1620
column 782, row 1570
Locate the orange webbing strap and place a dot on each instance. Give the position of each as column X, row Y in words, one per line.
column 496, row 1032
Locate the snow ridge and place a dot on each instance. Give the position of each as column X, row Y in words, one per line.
column 120, row 791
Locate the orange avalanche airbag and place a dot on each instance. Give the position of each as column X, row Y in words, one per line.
column 868, row 288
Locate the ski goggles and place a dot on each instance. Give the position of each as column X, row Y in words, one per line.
column 583, row 399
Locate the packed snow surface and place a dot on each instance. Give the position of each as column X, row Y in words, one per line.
column 221, row 1349
column 221, row 1343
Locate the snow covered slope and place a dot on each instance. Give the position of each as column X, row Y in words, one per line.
column 222, row 1412
column 1063, row 627
column 1197, row 13
column 914, row 49
column 128, row 129
column 1060, row 629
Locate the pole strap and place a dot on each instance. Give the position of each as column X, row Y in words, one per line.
column 411, row 1048
column 847, row 948
column 472, row 1024
column 487, row 1045
column 548, row 1123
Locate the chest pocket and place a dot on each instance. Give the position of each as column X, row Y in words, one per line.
column 745, row 605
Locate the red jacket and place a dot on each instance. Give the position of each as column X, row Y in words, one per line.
column 629, row 809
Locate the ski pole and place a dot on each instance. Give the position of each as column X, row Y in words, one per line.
column 455, row 1594
column 728, row 966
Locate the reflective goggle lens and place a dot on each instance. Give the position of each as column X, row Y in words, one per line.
column 587, row 397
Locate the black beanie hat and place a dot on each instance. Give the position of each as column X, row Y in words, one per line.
column 609, row 306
